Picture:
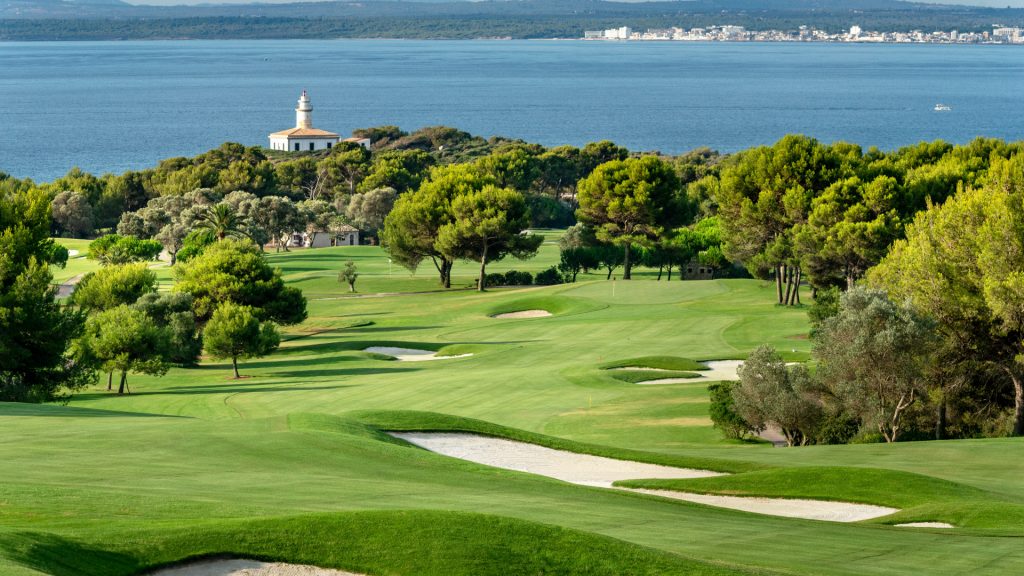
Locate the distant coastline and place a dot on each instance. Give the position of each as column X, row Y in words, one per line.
column 855, row 35
column 760, row 20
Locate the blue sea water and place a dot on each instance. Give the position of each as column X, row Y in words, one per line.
column 114, row 106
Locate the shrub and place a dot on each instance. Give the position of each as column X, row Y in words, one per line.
column 194, row 244
column 516, row 278
column 548, row 277
column 825, row 306
column 494, row 279
column 723, row 412
column 117, row 249
column 837, row 429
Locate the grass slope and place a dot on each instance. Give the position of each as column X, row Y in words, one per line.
column 195, row 463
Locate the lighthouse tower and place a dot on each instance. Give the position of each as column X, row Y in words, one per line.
column 303, row 137
column 304, row 112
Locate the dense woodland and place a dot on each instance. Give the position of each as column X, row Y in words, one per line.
column 48, row 20
column 909, row 261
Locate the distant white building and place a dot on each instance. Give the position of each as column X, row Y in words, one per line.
column 344, row 235
column 303, row 136
column 622, row 33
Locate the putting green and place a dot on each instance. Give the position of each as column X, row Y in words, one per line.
column 291, row 464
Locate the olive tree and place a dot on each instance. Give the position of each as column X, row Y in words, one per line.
column 770, row 393
column 873, row 357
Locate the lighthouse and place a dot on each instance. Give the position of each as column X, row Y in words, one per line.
column 304, row 137
column 304, row 112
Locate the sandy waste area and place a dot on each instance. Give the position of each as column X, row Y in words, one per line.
column 239, row 567
column 524, row 314
column 602, row 472
column 410, row 354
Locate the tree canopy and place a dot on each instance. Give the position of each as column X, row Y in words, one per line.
column 237, row 271
column 628, row 202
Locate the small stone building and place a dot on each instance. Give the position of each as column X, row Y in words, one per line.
column 344, row 235
column 694, row 270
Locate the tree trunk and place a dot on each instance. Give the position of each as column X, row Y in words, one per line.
column 940, row 420
column 627, row 264
column 661, row 268
column 609, row 276
column 669, row 273
column 1018, row 405
column 796, row 286
column 787, row 272
column 351, row 286
column 234, row 366
column 444, row 269
column 174, row 257
column 778, row 281
column 124, row 381
column 110, row 381
column 483, row 268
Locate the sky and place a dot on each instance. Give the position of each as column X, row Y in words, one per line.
column 990, row 3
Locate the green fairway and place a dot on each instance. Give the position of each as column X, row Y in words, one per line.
column 291, row 463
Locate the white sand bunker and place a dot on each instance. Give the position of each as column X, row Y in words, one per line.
column 568, row 466
column 602, row 472
column 925, row 525
column 789, row 507
column 523, row 314
column 718, row 370
column 239, row 567
column 410, row 354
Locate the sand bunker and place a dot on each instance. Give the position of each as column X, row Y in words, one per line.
column 789, row 507
column 599, row 471
column 568, row 466
column 925, row 525
column 238, row 567
column 524, row 314
column 410, row 354
column 718, row 370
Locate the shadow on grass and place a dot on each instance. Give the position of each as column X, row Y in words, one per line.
column 51, row 411
column 370, row 329
column 214, row 389
column 360, row 345
column 342, row 372
column 59, row 556
column 281, row 363
column 276, row 387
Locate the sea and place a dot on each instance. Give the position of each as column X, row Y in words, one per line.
column 116, row 106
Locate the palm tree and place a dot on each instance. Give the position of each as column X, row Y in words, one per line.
column 221, row 220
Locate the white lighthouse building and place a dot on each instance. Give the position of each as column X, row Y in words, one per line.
column 303, row 136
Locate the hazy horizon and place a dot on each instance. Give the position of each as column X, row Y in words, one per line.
column 983, row 3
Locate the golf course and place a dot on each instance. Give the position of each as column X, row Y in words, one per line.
column 302, row 460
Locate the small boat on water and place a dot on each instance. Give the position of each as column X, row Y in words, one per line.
column 942, row 108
